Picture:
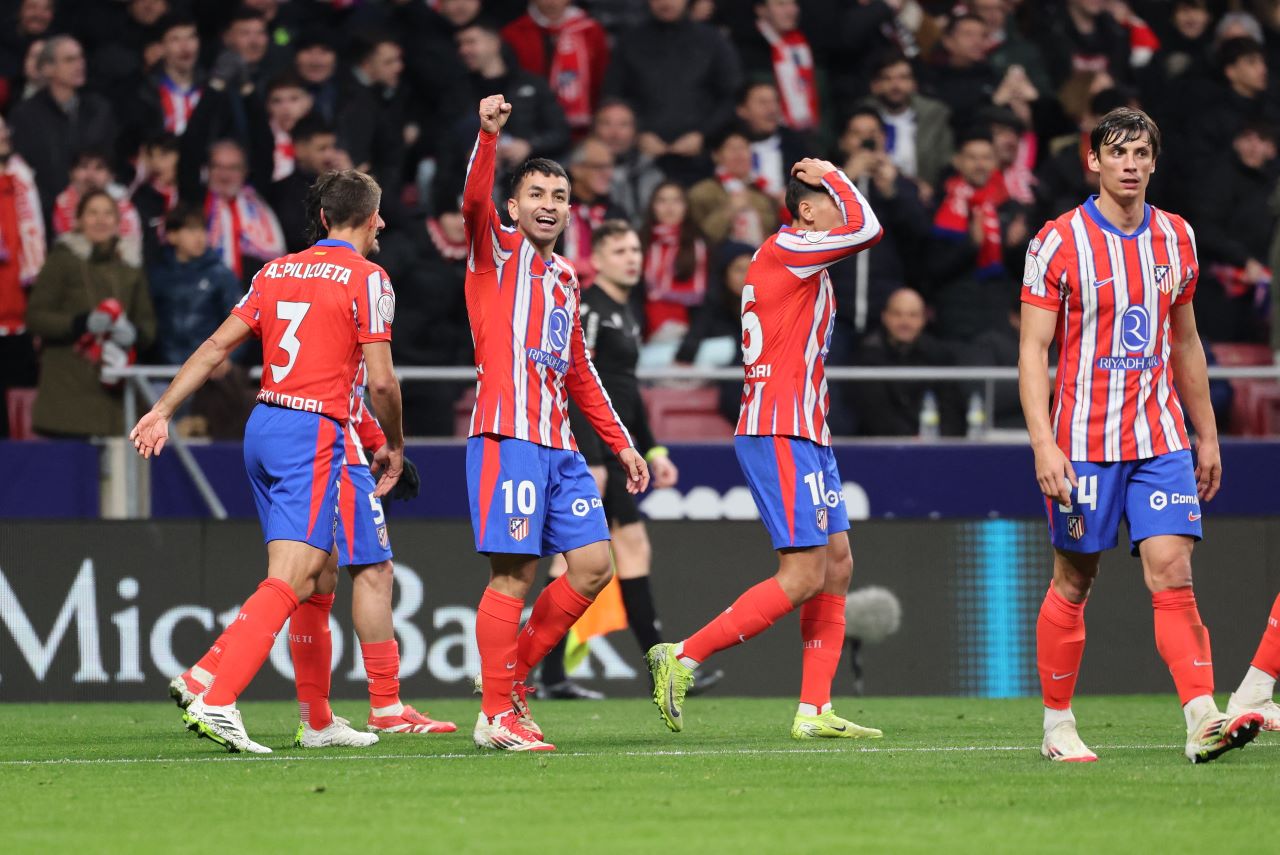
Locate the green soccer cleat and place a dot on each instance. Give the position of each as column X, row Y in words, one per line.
column 828, row 725
column 671, row 681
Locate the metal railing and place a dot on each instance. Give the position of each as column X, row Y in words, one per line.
column 139, row 378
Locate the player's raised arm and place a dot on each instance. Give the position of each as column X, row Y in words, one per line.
column 151, row 432
column 821, row 235
column 478, row 212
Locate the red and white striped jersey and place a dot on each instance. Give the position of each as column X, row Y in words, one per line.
column 530, row 355
column 363, row 430
column 788, row 309
column 1114, row 397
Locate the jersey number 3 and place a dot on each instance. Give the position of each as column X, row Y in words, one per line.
column 293, row 313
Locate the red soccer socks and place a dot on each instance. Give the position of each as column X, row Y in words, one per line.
column 751, row 614
column 1268, row 656
column 1059, row 648
column 497, row 624
column 260, row 618
column 382, row 667
column 311, row 646
column 1183, row 642
column 822, row 628
column 557, row 609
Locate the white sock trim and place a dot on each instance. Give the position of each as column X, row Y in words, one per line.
column 395, row 709
column 1256, row 688
column 201, row 676
column 1198, row 708
column 1053, row 718
column 686, row 661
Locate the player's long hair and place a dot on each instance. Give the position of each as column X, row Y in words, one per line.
column 343, row 198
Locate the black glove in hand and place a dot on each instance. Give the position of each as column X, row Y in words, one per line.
column 407, row 487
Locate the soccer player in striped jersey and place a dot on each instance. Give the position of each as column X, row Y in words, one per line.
column 1112, row 281
column 530, row 490
column 320, row 313
column 784, row 447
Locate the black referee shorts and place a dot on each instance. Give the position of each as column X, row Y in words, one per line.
column 619, row 506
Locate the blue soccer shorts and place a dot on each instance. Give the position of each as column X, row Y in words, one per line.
column 528, row 499
column 362, row 526
column 796, row 486
column 294, row 460
column 1156, row 496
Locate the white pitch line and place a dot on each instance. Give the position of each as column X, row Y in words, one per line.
column 739, row 752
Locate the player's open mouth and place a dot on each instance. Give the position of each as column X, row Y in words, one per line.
column 545, row 220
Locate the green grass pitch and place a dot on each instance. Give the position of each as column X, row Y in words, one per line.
column 951, row 775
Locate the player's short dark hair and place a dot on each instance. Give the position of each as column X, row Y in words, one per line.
column 286, row 79
column 887, row 59
column 184, row 216
column 1235, row 49
column 161, row 141
column 340, row 198
column 535, row 166
column 610, row 229
column 1123, row 125
column 797, row 192
column 309, row 127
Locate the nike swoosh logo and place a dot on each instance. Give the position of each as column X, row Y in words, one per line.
column 1100, row 282
column 1199, row 664
column 840, row 729
column 511, row 666
column 742, row 639
column 1192, row 517
column 1062, row 676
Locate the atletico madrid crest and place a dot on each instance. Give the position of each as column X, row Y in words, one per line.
column 822, row 519
column 1075, row 526
column 518, row 528
column 1163, row 280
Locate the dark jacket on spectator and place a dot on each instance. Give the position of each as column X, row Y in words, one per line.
column 371, row 129
column 75, row 279
column 892, row 408
column 963, row 90
column 191, row 300
column 1233, row 221
column 1067, row 49
column 679, row 77
column 536, row 116
column 47, row 138
column 287, row 198
column 152, row 207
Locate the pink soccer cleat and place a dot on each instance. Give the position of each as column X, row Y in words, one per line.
column 408, row 721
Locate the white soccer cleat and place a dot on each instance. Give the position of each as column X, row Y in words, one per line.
column 1063, row 745
column 1217, row 733
column 1269, row 710
column 182, row 696
column 221, row 724
column 339, row 734
column 504, row 732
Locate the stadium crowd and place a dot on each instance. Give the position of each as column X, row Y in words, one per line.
column 154, row 152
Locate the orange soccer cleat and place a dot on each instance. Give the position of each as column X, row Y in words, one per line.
column 408, row 720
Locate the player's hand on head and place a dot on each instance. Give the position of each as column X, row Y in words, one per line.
column 494, row 112
column 150, row 434
column 812, row 170
column 637, row 470
column 1208, row 470
column 664, row 472
column 409, row 484
column 391, row 468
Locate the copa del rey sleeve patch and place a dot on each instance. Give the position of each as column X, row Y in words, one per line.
column 387, row 302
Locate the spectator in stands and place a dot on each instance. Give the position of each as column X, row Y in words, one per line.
column 61, row 119
column 92, row 171
column 731, row 205
column 998, row 346
column 591, row 179
column 172, row 90
column 1080, row 35
column 371, row 122
column 156, row 192
column 1016, row 151
column 1183, row 57
column 315, row 146
column 865, row 282
column 87, row 306
column 191, row 289
column 1234, row 220
column 249, row 48
column 1006, row 46
column 459, row 14
column 428, row 264
column 22, row 252
column 559, row 42
column 774, row 146
column 975, row 224
column 242, row 227
column 288, row 100
column 316, row 62
column 635, row 175
column 715, row 335
column 779, row 51
column 121, row 42
column 962, row 77
column 32, row 23
column 675, row 265
column 537, row 126
column 681, row 77
column 920, row 139
column 1242, row 97
column 892, row 407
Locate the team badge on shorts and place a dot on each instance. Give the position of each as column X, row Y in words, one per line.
column 822, row 519
column 518, row 528
column 1075, row 526
column 382, row 536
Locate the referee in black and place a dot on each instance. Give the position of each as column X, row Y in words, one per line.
column 613, row 339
